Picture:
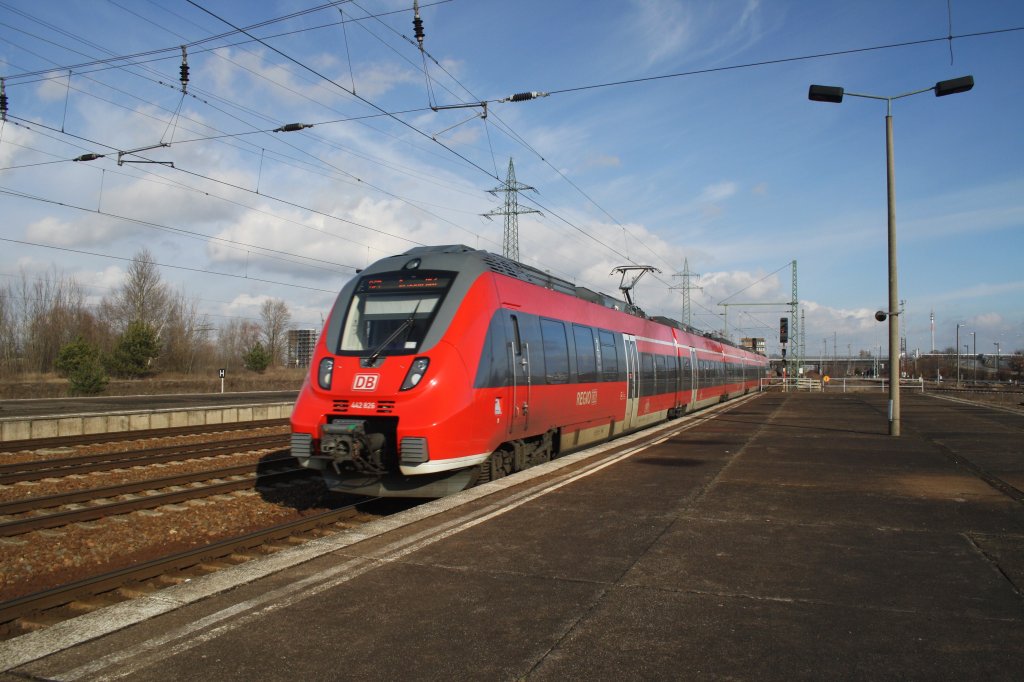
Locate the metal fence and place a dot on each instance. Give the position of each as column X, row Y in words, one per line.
column 837, row 385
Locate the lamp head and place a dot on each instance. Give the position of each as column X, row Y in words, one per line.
column 954, row 86
column 825, row 93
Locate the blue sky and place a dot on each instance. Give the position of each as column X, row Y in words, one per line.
column 732, row 169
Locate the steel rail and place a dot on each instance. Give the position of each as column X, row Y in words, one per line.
column 21, row 607
column 90, row 494
column 53, row 468
column 25, row 525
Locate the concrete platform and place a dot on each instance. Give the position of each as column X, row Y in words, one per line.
column 781, row 537
column 59, row 417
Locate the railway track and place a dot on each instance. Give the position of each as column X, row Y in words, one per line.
column 224, row 528
column 148, row 494
column 66, row 466
column 41, row 609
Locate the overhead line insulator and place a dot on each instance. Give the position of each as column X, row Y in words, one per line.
column 524, row 96
column 292, row 127
column 184, row 71
column 3, row 101
column 88, row 157
column 417, row 24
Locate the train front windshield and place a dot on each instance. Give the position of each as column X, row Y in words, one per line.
column 391, row 313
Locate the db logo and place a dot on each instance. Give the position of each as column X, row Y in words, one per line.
column 365, row 382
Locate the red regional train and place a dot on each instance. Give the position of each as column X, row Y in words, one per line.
column 448, row 366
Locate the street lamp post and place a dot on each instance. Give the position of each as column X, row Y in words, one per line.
column 958, row 325
column 974, row 357
column 827, row 93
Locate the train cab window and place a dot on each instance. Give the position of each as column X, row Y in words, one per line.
column 586, row 353
column 556, row 351
column 609, row 356
column 390, row 313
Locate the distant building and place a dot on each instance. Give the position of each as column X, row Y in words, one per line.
column 300, row 347
column 754, row 344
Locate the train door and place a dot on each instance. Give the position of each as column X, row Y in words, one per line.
column 632, row 381
column 519, row 358
column 693, row 376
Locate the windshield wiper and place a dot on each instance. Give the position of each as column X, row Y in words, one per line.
column 407, row 325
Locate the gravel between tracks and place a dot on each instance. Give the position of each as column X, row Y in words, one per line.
column 49, row 558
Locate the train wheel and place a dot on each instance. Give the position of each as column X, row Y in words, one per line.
column 500, row 464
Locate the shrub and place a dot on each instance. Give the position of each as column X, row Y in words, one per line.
column 256, row 358
column 74, row 355
column 88, row 378
column 134, row 352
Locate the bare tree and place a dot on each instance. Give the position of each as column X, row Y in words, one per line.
column 234, row 339
column 144, row 297
column 52, row 314
column 186, row 335
column 276, row 319
column 8, row 332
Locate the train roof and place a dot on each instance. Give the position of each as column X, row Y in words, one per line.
column 527, row 273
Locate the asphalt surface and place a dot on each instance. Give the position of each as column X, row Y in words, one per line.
column 785, row 537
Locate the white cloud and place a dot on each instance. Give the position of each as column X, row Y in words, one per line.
column 667, row 29
column 717, row 192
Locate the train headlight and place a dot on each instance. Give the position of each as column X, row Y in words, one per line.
column 415, row 373
column 325, row 373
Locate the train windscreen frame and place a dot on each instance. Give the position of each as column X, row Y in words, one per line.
column 390, row 313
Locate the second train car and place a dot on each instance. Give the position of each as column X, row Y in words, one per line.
column 448, row 366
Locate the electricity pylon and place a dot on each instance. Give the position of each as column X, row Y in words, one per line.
column 511, row 211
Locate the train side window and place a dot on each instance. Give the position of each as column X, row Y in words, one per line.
column 586, row 355
column 556, row 351
column 493, row 370
column 531, row 347
column 517, row 342
column 646, row 374
column 609, row 356
column 660, row 375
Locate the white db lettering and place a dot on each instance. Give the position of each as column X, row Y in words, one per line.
column 365, row 382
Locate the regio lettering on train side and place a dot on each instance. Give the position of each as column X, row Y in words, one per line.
column 587, row 397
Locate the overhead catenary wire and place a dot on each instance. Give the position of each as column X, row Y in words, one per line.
column 358, row 180
column 341, row 87
column 165, row 53
column 231, row 243
column 365, row 184
column 168, row 265
column 674, row 75
column 385, row 114
column 280, row 200
column 412, row 203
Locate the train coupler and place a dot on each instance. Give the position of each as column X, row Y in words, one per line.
column 351, row 448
